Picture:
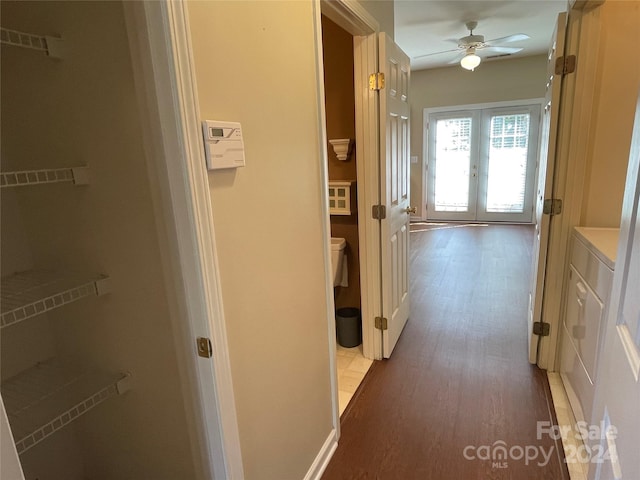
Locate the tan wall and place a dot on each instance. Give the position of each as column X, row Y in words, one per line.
column 616, row 97
column 383, row 11
column 255, row 64
column 496, row 81
column 340, row 113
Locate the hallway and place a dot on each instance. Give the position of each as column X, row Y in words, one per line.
column 459, row 378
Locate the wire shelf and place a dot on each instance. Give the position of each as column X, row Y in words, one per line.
column 27, row 294
column 75, row 175
column 22, row 39
column 49, row 396
column 43, row 43
column 35, row 177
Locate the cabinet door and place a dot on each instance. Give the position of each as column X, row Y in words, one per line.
column 584, row 316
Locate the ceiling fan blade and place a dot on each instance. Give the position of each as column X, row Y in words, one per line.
column 490, row 49
column 437, row 53
column 511, row 38
column 457, row 59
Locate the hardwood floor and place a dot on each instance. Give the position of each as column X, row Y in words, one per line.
column 459, row 375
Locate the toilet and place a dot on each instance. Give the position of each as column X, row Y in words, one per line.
column 337, row 260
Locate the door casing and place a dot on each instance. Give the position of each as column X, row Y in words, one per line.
column 358, row 22
column 167, row 96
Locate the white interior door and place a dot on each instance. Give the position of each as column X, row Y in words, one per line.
column 545, row 181
column 618, row 394
column 394, row 194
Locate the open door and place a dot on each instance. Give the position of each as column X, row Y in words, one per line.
column 394, row 191
column 10, row 467
column 546, row 167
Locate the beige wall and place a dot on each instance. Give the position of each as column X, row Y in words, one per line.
column 337, row 47
column 383, row 11
column 496, row 81
column 255, row 64
column 616, row 96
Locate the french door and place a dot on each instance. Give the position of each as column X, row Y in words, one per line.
column 482, row 163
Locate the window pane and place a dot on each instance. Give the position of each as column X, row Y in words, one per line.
column 453, row 155
column 507, row 173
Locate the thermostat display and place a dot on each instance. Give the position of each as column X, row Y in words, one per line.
column 223, row 144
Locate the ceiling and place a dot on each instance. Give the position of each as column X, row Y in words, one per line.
column 429, row 26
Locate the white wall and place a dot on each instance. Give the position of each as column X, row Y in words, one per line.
column 495, row 81
column 255, row 64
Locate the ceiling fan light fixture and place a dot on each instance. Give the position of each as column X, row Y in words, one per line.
column 470, row 61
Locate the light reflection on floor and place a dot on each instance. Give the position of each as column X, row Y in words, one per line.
column 428, row 226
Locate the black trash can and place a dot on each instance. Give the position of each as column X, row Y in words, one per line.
column 349, row 327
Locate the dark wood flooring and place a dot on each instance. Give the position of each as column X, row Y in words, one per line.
column 459, row 375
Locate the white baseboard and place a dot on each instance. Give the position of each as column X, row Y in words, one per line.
column 322, row 459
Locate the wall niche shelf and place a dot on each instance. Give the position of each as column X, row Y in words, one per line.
column 47, row 397
column 52, row 46
column 342, row 148
column 75, row 175
column 27, row 294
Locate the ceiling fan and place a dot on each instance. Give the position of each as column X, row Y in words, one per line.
column 469, row 46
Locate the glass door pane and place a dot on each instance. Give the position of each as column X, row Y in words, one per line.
column 453, row 159
column 452, row 171
column 507, row 163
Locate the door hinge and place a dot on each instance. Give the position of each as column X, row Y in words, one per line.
column 565, row 65
column 379, row 212
column 381, row 323
column 204, row 347
column 376, row 81
column 541, row 329
column 552, row 206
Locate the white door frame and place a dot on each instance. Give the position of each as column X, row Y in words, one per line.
column 574, row 130
column 351, row 16
column 10, row 466
column 165, row 83
column 547, row 163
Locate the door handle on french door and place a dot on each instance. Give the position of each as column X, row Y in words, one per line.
column 410, row 210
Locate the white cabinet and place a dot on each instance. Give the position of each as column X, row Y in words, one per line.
column 587, row 294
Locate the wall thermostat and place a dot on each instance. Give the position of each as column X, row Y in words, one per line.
column 223, row 144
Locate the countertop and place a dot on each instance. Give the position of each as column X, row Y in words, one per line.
column 603, row 242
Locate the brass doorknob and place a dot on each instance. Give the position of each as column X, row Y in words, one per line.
column 411, row 210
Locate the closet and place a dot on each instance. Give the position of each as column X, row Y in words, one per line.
column 90, row 377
